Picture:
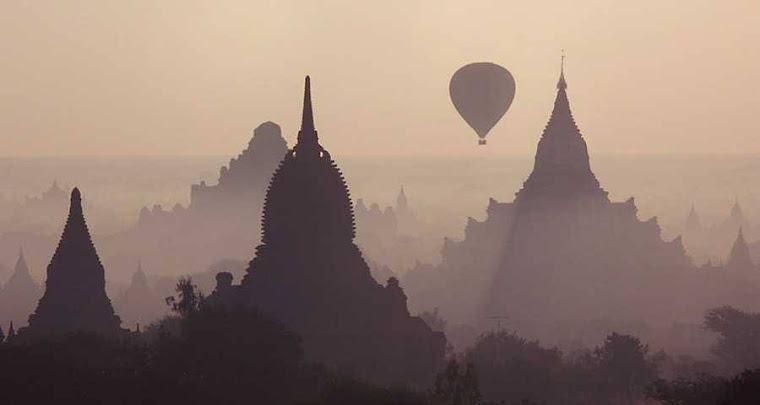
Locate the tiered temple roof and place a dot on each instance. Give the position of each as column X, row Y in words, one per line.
column 75, row 297
column 739, row 260
column 562, row 171
column 309, row 273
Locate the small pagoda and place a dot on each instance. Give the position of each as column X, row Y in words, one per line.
column 75, row 297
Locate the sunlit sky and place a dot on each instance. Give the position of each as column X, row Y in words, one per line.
column 171, row 77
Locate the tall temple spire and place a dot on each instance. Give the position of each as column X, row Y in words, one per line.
column 308, row 141
column 307, row 119
column 75, row 297
column 739, row 260
column 562, row 84
column 562, row 170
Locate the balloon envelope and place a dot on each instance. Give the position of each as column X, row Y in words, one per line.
column 482, row 93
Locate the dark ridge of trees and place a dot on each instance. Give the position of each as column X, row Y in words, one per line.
column 738, row 345
column 211, row 353
column 513, row 370
column 206, row 353
column 742, row 389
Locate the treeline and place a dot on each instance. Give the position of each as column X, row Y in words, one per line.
column 212, row 353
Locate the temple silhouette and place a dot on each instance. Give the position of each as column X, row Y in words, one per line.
column 217, row 222
column 308, row 273
column 560, row 253
column 75, row 298
column 739, row 260
column 139, row 304
column 19, row 295
column 713, row 242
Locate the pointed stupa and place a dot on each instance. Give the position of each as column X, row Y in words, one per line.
column 562, row 171
column 308, row 200
column 739, row 260
column 21, row 279
column 139, row 279
column 11, row 334
column 75, row 297
column 309, row 273
column 692, row 220
column 20, row 294
column 402, row 204
column 138, row 304
column 736, row 211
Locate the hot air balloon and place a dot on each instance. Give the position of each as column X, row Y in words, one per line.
column 482, row 93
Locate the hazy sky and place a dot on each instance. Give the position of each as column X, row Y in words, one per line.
column 189, row 77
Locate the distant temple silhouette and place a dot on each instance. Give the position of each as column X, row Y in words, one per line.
column 38, row 212
column 217, row 222
column 240, row 183
column 739, row 260
column 139, row 304
column 561, row 252
column 693, row 221
column 309, row 273
column 75, row 298
column 712, row 242
column 19, row 295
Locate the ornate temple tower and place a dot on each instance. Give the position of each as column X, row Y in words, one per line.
column 20, row 293
column 561, row 172
column 75, row 297
column 138, row 304
column 739, row 260
column 309, row 273
column 560, row 253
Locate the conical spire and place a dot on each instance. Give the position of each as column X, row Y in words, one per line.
column 139, row 279
column 75, row 297
column 401, row 202
column 562, row 170
column 21, row 279
column 739, row 258
column 736, row 210
column 562, row 84
column 308, row 142
column 75, row 209
column 307, row 119
column 692, row 220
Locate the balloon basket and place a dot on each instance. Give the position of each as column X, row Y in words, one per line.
column 481, row 142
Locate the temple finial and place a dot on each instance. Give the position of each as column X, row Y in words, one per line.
column 562, row 84
column 308, row 142
column 76, row 202
column 307, row 121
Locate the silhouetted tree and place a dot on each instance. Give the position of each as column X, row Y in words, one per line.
column 454, row 386
column 702, row 390
column 622, row 365
column 190, row 300
column 739, row 343
column 742, row 389
column 511, row 368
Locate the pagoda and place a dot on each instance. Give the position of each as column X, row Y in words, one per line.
column 20, row 293
column 75, row 297
column 309, row 273
column 560, row 253
column 739, row 260
column 138, row 304
column 693, row 222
